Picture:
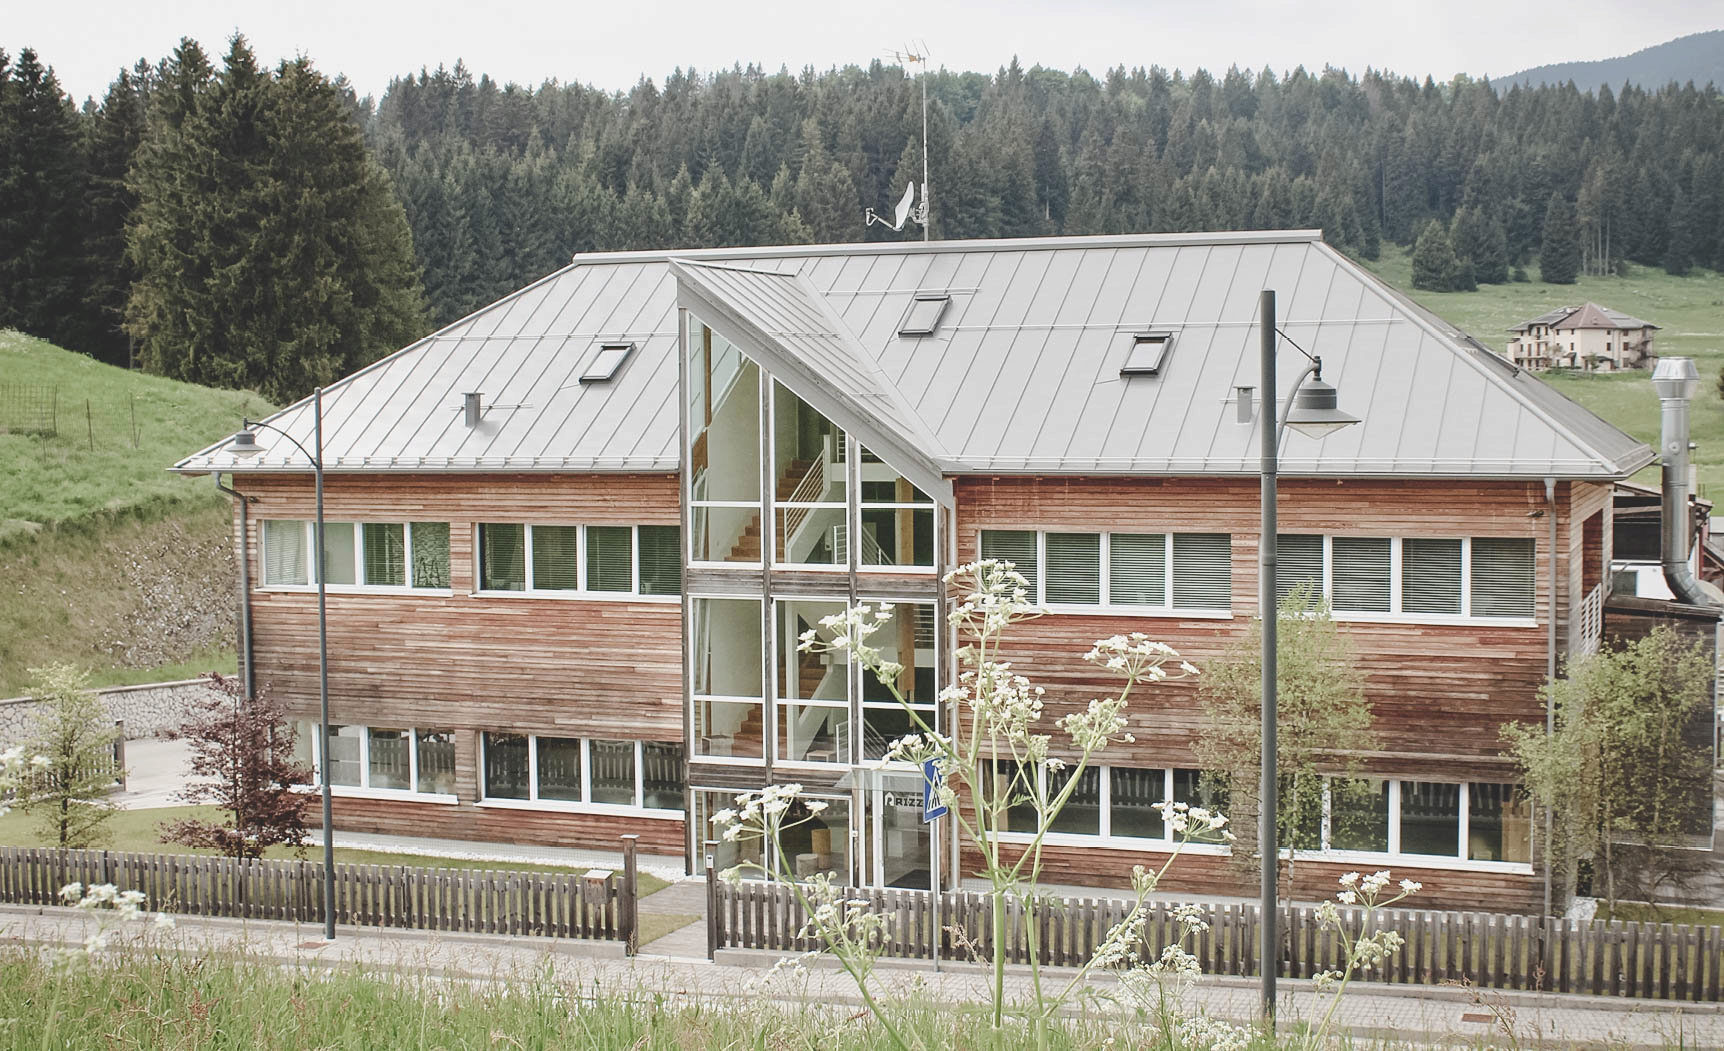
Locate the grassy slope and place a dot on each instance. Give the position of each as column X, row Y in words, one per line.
column 1689, row 309
column 106, row 559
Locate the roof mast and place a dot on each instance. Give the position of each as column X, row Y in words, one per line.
column 908, row 210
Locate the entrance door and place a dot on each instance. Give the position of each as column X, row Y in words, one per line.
column 901, row 843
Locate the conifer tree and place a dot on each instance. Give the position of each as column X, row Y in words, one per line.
column 41, row 190
column 1679, row 245
column 112, row 135
column 1480, row 239
column 1559, row 251
column 1435, row 268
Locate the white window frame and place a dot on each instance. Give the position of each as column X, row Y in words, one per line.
column 363, row 790
column 1393, row 855
column 1105, row 837
column 314, row 568
column 584, row 805
column 766, row 703
column 580, row 591
column 1107, row 606
column 1396, row 614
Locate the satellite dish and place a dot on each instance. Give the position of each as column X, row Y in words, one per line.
column 903, row 209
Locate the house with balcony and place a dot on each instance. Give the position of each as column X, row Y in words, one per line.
column 590, row 521
column 1587, row 337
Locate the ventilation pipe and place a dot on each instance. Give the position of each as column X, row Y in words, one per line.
column 1676, row 380
column 475, row 411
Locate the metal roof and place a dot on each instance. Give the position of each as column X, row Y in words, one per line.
column 1023, row 374
column 1587, row 315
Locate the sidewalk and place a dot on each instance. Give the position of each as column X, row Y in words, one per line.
column 1427, row 1016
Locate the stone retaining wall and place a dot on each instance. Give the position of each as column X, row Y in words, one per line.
column 149, row 710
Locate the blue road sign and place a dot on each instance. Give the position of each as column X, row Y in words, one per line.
column 932, row 808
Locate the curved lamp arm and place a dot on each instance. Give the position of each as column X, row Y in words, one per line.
column 1315, row 368
column 252, row 425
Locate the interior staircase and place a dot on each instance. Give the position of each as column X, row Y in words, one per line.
column 747, row 547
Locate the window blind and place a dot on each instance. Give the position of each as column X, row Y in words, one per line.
column 502, row 557
column 1502, row 577
column 430, row 554
column 1361, row 573
column 556, row 558
column 1137, row 569
column 339, row 557
column 385, row 554
column 1074, row 568
column 610, row 558
column 661, row 560
column 284, row 548
column 1017, row 546
column 1298, row 560
column 1430, row 575
column 1202, row 570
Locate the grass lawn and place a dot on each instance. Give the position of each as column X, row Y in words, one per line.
column 136, row 831
column 1690, row 311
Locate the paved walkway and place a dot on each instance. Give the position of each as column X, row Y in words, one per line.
column 1427, row 1016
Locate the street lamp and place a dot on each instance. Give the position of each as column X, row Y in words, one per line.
column 1311, row 410
column 245, row 445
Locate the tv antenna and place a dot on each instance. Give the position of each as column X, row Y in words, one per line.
column 908, row 209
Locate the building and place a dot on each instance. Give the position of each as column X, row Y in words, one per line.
column 1584, row 337
column 579, row 531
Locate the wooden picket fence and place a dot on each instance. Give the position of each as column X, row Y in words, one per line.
column 474, row 901
column 1491, row 950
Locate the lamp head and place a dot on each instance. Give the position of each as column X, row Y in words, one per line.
column 1676, row 379
column 244, row 444
column 1315, row 411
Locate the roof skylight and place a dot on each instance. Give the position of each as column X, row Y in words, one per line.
column 606, row 362
column 1148, row 354
column 923, row 317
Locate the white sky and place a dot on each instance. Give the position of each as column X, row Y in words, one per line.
column 612, row 43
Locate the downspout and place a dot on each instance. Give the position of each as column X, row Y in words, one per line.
column 1675, row 380
column 247, row 681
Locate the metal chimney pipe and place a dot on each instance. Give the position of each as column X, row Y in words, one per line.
column 1676, row 380
column 474, row 410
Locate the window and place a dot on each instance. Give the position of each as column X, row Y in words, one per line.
column 813, row 689
column 1109, row 802
column 553, row 559
column 725, row 655
column 1435, row 576
column 1430, row 818
column 367, row 554
column 606, row 362
column 1474, row 821
column 1148, row 354
column 383, row 759
column 1502, row 582
column 636, row 774
column 924, row 314
column 1119, row 569
column 897, row 518
column 722, row 413
column 1499, row 823
column 1359, row 814
column 810, row 519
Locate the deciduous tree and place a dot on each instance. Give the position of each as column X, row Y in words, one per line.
column 69, row 792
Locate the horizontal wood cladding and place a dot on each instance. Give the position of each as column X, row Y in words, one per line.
column 1440, row 692
column 1217, row 874
column 571, row 667
column 580, row 499
column 541, row 828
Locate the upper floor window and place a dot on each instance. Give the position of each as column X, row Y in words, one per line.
column 594, row 559
column 1142, row 570
column 357, row 554
column 1444, row 576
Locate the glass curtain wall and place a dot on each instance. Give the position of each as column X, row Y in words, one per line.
column 809, row 472
column 813, row 688
column 722, row 401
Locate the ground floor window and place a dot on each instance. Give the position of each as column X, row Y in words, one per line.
column 387, row 759
column 814, row 843
column 583, row 770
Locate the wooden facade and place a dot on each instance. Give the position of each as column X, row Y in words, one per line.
column 460, row 661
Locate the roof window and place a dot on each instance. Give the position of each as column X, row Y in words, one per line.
column 923, row 317
column 606, row 362
column 1148, row 354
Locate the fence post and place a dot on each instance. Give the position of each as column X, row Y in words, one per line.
column 712, row 917
column 630, row 917
column 120, row 751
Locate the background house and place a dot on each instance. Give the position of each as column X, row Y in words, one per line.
column 1584, row 337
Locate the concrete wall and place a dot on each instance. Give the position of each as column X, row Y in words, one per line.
column 149, row 710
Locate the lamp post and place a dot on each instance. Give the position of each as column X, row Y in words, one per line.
column 1311, row 410
column 244, row 445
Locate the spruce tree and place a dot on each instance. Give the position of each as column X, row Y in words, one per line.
column 41, row 191
column 113, row 133
column 1680, row 244
column 1480, row 239
column 1435, row 268
column 1559, row 251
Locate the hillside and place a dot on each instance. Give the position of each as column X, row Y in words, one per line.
column 1690, row 310
column 1698, row 57
column 108, row 560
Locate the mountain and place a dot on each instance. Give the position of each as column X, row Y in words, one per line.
column 1698, row 57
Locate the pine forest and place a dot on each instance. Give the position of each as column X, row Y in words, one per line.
column 323, row 229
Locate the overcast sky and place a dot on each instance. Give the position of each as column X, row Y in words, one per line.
column 612, row 43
